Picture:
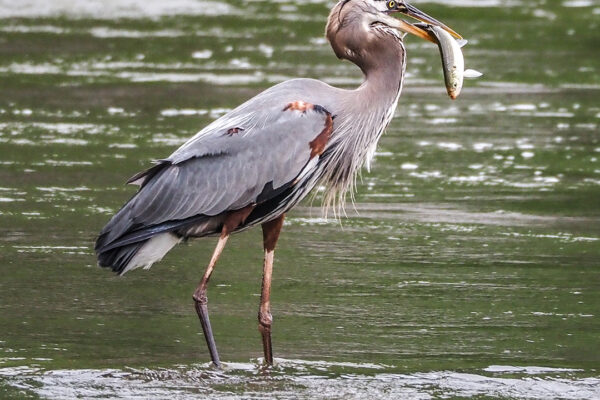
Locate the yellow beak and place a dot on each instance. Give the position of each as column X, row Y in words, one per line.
column 417, row 14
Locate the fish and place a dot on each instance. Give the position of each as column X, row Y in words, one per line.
column 453, row 63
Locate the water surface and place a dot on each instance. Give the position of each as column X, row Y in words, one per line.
column 468, row 266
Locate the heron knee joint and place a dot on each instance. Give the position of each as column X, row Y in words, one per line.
column 200, row 296
column 265, row 319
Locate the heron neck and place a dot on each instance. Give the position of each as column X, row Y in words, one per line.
column 383, row 78
column 362, row 115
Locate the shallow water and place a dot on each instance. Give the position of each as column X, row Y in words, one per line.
column 297, row 379
column 468, row 267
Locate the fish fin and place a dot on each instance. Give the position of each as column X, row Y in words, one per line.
column 471, row 73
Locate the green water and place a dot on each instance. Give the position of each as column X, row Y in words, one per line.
column 468, row 267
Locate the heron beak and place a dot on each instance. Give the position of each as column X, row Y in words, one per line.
column 417, row 14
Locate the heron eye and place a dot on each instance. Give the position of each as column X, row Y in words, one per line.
column 391, row 4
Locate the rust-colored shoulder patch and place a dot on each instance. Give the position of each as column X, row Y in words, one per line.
column 298, row 106
column 318, row 144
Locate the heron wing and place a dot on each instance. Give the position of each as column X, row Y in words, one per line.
column 238, row 160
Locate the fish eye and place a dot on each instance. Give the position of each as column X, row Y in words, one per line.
column 391, row 4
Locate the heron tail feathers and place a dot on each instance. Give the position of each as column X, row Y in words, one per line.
column 138, row 254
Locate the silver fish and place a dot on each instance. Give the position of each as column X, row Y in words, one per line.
column 453, row 62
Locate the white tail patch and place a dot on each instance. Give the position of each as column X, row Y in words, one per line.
column 152, row 251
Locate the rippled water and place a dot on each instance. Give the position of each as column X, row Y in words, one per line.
column 296, row 379
column 468, row 266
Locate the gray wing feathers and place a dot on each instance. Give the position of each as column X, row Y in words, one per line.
column 217, row 171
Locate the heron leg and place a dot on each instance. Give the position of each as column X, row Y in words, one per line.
column 201, row 300
column 232, row 220
column 271, row 231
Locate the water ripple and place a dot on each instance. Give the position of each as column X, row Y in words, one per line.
column 297, row 379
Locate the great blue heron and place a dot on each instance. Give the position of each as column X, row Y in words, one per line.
column 256, row 162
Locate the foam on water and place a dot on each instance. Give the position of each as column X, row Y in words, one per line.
column 310, row 221
column 109, row 9
column 298, row 379
column 561, row 236
column 105, row 32
column 578, row 3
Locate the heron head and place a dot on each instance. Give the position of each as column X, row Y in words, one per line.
column 354, row 25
